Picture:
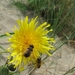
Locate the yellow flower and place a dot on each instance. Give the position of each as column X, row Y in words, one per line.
column 26, row 35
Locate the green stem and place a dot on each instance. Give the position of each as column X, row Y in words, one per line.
column 70, row 71
column 4, row 35
column 4, row 52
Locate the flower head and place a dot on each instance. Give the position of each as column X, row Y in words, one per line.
column 29, row 38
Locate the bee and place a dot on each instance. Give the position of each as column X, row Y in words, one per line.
column 38, row 62
column 10, row 66
column 28, row 51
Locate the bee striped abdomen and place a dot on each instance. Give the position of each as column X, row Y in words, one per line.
column 28, row 51
column 39, row 62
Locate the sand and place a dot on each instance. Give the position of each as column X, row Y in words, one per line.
column 62, row 60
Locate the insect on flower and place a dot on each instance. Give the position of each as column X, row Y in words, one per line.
column 28, row 51
column 10, row 66
column 28, row 42
column 38, row 62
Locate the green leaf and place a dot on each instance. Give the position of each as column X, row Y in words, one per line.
column 2, row 48
column 4, row 70
column 17, row 73
column 14, row 73
column 4, row 35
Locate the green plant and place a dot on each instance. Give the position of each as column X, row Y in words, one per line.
column 56, row 12
column 59, row 13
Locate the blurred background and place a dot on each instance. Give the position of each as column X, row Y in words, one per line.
column 60, row 14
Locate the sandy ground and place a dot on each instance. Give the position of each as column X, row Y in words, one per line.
column 62, row 60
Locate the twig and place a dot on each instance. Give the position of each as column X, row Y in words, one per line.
column 31, row 71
